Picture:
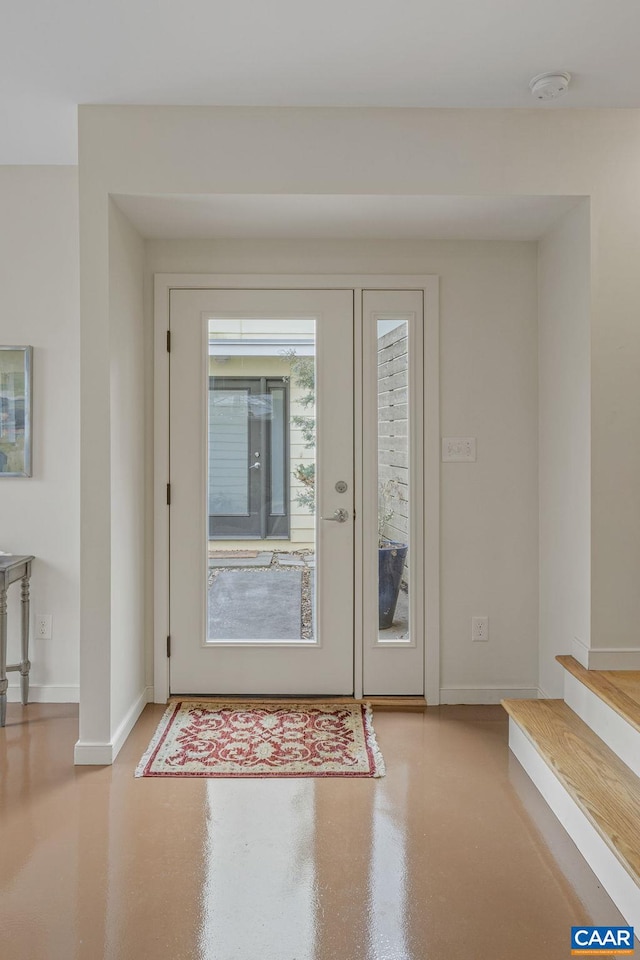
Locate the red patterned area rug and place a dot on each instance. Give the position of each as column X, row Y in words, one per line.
column 225, row 739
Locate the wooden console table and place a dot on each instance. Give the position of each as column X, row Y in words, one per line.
column 13, row 569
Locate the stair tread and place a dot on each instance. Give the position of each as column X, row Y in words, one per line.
column 620, row 689
column 603, row 786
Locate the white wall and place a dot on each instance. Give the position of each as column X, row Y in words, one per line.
column 565, row 442
column 200, row 150
column 39, row 305
column 488, row 388
column 127, row 390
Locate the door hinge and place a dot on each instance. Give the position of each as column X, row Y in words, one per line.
column 168, row 646
column 168, row 494
column 168, row 341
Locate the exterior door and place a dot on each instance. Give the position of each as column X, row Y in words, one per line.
column 262, row 480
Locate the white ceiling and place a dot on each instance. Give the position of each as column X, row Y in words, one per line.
column 431, row 53
column 241, row 216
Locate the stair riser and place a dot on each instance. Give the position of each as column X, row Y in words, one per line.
column 619, row 736
column 620, row 886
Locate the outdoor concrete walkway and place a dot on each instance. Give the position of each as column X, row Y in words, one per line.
column 260, row 595
column 244, row 604
column 256, row 605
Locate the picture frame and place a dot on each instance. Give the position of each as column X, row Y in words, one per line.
column 15, row 411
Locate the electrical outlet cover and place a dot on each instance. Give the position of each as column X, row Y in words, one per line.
column 480, row 629
column 42, row 626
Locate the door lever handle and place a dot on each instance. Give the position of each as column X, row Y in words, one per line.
column 256, row 466
column 339, row 516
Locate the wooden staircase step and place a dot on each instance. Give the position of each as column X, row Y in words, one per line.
column 619, row 689
column 602, row 786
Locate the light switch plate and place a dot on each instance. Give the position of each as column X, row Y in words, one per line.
column 458, row 449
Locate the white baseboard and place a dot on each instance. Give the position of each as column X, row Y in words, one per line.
column 623, row 658
column 606, row 866
column 481, row 695
column 604, row 658
column 88, row 753
column 606, row 722
column 101, row 753
column 128, row 722
column 46, row 693
column 580, row 652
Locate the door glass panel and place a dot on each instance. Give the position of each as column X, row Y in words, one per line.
column 393, row 480
column 262, row 499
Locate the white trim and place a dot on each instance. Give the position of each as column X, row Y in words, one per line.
column 46, row 693
column 415, row 332
column 293, row 281
column 160, row 480
column 484, row 695
column 432, row 490
column 617, row 882
column 429, row 284
column 369, row 506
column 400, row 661
column 542, row 695
column 415, row 446
column 580, row 652
column 213, row 645
column 128, row 722
column 619, row 735
column 605, row 658
column 615, row 658
column 93, row 753
column 90, row 753
column 359, row 531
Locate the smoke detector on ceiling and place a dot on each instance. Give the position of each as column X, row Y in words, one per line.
column 549, row 86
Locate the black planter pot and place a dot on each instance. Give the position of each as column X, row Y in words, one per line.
column 391, row 559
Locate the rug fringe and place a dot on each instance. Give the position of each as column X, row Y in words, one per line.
column 378, row 760
column 160, row 729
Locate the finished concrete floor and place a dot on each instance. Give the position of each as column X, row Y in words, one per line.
column 452, row 856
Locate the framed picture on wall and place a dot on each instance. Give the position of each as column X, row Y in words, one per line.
column 15, row 411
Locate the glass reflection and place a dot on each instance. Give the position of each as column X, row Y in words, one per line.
column 388, row 877
column 393, row 480
column 261, row 479
column 258, row 896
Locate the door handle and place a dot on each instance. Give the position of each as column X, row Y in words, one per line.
column 339, row 516
column 256, row 466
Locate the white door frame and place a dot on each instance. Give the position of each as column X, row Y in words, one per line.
column 163, row 284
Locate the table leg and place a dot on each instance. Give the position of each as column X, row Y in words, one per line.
column 25, row 665
column 3, row 656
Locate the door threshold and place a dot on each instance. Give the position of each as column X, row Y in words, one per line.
column 415, row 704
column 404, row 704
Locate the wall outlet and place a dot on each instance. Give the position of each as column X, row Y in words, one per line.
column 480, row 629
column 43, row 626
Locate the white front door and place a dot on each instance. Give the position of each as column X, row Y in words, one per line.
column 262, row 492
